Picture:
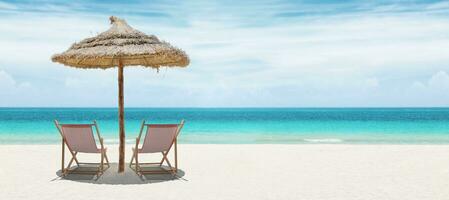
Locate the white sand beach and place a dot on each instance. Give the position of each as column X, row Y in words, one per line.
column 242, row 172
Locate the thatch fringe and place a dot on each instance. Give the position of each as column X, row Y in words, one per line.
column 122, row 42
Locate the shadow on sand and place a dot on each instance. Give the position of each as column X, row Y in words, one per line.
column 111, row 176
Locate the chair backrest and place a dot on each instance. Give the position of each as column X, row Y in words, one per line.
column 79, row 137
column 159, row 137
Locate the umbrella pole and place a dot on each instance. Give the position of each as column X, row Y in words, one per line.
column 121, row 161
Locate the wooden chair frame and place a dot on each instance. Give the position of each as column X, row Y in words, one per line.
column 66, row 169
column 138, row 165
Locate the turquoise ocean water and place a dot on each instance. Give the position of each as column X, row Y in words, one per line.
column 241, row 125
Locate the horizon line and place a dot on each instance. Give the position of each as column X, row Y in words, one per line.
column 232, row 107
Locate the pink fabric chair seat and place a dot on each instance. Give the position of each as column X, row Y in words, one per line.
column 159, row 138
column 80, row 138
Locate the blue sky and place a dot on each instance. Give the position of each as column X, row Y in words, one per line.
column 250, row 53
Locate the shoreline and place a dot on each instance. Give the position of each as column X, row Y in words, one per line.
column 261, row 144
column 268, row 143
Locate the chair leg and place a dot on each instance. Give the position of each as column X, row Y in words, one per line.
column 168, row 163
column 162, row 160
column 164, row 157
column 132, row 158
column 137, row 162
column 176, row 154
column 73, row 159
column 172, row 170
column 106, row 157
column 100, row 169
column 62, row 156
column 65, row 171
column 102, row 160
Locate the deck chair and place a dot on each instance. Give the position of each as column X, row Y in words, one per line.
column 159, row 138
column 79, row 138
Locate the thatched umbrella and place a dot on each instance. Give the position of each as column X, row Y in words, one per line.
column 121, row 46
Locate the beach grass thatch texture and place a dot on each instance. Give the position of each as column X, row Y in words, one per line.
column 123, row 42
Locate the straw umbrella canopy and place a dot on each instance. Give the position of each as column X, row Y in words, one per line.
column 122, row 46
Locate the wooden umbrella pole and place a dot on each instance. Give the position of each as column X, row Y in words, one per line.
column 121, row 161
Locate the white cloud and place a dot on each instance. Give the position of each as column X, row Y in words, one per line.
column 439, row 5
column 328, row 60
column 417, row 86
column 432, row 92
column 4, row 5
column 12, row 89
column 439, row 82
